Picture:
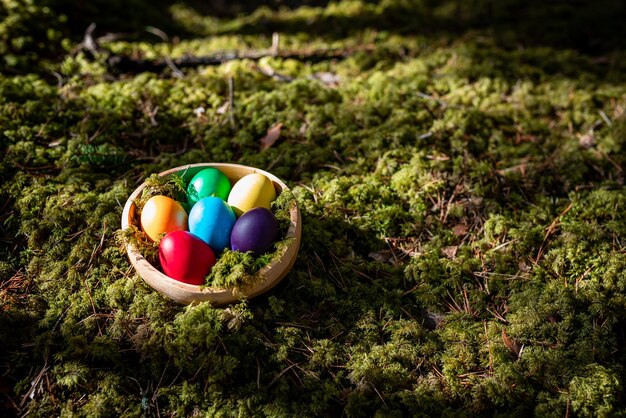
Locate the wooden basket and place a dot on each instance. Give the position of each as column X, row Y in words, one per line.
column 269, row 276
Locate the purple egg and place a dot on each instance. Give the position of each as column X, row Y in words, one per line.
column 256, row 230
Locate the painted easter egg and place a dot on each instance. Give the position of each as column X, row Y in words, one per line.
column 251, row 191
column 256, row 230
column 211, row 219
column 162, row 214
column 208, row 182
column 185, row 257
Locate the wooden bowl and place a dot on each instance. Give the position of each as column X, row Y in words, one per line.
column 268, row 277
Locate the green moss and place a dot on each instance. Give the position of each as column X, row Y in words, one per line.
column 171, row 186
column 235, row 269
column 461, row 189
column 595, row 393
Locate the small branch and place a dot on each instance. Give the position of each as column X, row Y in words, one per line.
column 379, row 395
column 13, row 404
column 158, row 32
column 126, row 64
column 605, row 118
column 285, row 370
column 168, row 61
column 88, row 42
column 270, row 72
column 231, row 101
column 550, row 231
column 275, row 43
column 33, row 385
column 177, row 73
column 488, row 347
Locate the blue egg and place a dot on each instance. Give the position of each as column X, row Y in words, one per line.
column 211, row 219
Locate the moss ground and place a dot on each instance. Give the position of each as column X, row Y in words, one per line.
column 461, row 182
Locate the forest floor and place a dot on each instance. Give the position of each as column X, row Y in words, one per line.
column 460, row 176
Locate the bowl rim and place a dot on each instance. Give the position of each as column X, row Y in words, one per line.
column 189, row 293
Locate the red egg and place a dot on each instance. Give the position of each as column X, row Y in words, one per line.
column 185, row 257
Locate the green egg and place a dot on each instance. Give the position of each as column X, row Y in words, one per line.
column 208, row 182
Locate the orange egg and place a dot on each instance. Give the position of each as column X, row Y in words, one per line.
column 162, row 214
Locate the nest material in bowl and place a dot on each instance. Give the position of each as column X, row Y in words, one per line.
column 236, row 275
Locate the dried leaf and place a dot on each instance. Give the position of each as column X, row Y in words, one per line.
column 382, row 256
column 460, row 230
column 587, row 140
column 223, row 108
column 330, row 79
column 450, row 251
column 5, row 387
column 270, row 72
column 554, row 318
column 523, row 266
column 272, row 136
column 431, row 319
column 511, row 344
column 303, row 129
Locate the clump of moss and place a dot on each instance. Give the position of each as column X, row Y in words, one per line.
column 171, row 186
column 31, row 33
column 281, row 208
column 138, row 239
column 235, row 269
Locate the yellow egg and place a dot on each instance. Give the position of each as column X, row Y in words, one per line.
column 251, row 191
column 162, row 214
